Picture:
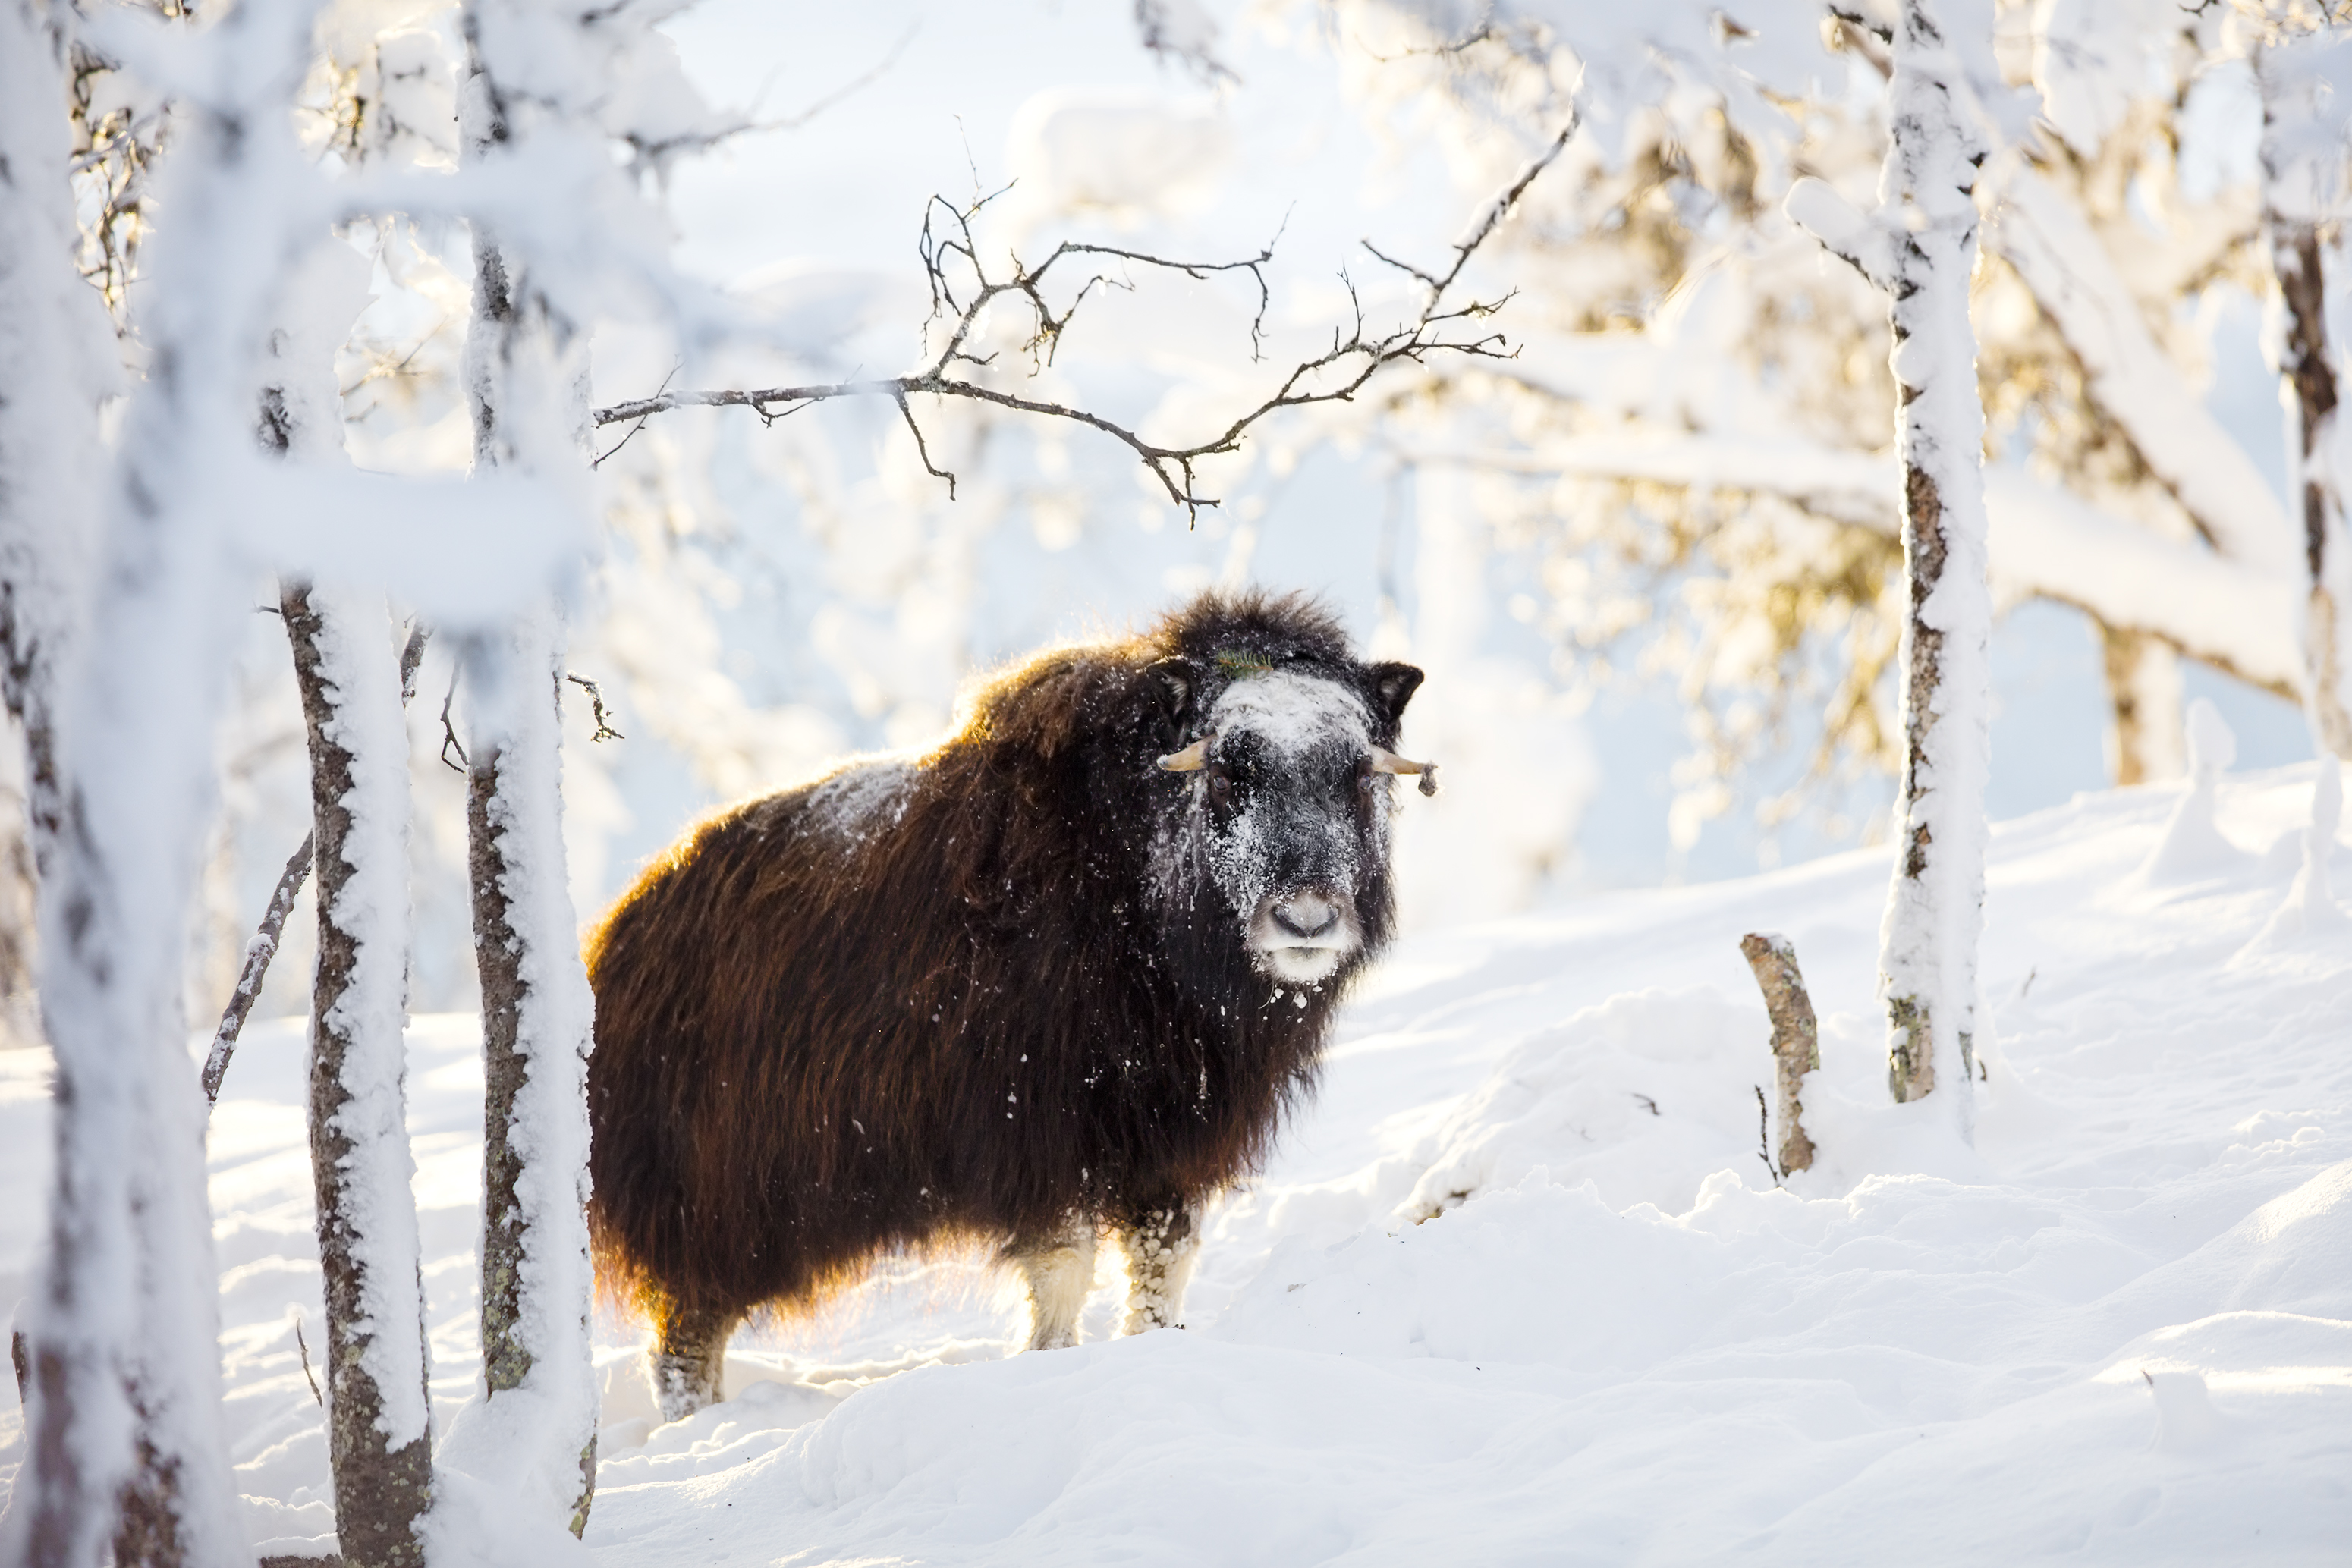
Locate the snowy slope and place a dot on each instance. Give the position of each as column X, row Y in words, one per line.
column 2119, row 1330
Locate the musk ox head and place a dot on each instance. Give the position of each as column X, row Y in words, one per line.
column 1279, row 812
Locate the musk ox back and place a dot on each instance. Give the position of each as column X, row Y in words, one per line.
column 1062, row 973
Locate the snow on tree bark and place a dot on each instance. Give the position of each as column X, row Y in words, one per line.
column 57, row 352
column 2145, row 739
column 124, row 1427
column 537, row 1013
column 379, row 1430
column 2304, row 180
column 2309, row 387
column 77, row 1417
column 1921, row 247
column 1928, row 947
column 535, row 1425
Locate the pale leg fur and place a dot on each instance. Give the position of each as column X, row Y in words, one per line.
column 1160, row 1252
column 1059, row 1273
column 688, row 1362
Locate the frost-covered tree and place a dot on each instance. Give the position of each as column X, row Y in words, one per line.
column 125, row 1419
column 51, row 352
column 1921, row 248
column 534, row 78
column 2304, row 66
column 1692, row 448
column 379, row 1429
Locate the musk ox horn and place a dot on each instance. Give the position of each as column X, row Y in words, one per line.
column 1390, row 762
column 1192, row 760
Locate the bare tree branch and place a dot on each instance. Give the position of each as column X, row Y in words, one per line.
column 450, row 741
column 1334, row 376
column 657, row 153
column 605, row 731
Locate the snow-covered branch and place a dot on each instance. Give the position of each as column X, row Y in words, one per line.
column 2045, row 237
column 2044, row 541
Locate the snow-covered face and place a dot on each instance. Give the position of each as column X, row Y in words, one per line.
column 1292, row 816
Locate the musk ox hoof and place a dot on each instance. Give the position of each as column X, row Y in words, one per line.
column 680, row 1388
column 1059, row 1270
column 688, row 1362
column 1161, row 1250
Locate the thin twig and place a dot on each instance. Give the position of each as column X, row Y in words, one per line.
column 303, row 1346
column 596, row 698
column 1354, row 357
column 1764, row 1136
column 450, row 741
column 632, row 430
column 259, row 951
column 848, row 90
column 381, row 370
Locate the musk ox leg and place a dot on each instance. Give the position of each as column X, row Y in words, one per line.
column 1059, row 1270
column 689, row 1361
column 1161, row 1248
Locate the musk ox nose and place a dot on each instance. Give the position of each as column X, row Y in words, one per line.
column 1305, row 915
column 1303, row 937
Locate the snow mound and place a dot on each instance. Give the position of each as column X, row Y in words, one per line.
column 1590, row 1102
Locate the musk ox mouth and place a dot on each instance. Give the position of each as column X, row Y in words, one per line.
column 1305, row 936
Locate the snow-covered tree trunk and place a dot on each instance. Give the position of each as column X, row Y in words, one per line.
column 1921, row 247
column 2146, row 742
column 53, row 342
column 1928, row 947
column 536, row 1427
column 125, row 1419
column 55, row 362
column 2308, row 387
column 2304, row 181
column 537, row 1363
column 379, row 1429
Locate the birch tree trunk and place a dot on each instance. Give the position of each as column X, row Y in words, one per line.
column 77, row 1417
column 537, row 1360
column 379, row 1430
column 2309, row 387
column 124, row 1429
column 1928, row 947
column 525, row 385
column 2304, row 180
column 2145, row 740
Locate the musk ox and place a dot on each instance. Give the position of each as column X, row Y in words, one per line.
column 1061, row 973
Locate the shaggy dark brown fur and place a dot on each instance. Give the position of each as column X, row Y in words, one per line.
column 948, row 999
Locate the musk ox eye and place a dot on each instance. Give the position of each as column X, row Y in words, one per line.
column 1220, row 784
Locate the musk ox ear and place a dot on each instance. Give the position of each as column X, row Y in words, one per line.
column 1394, row 684
column 1171, row 694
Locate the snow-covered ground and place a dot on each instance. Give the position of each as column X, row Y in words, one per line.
column 2117, row 1330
